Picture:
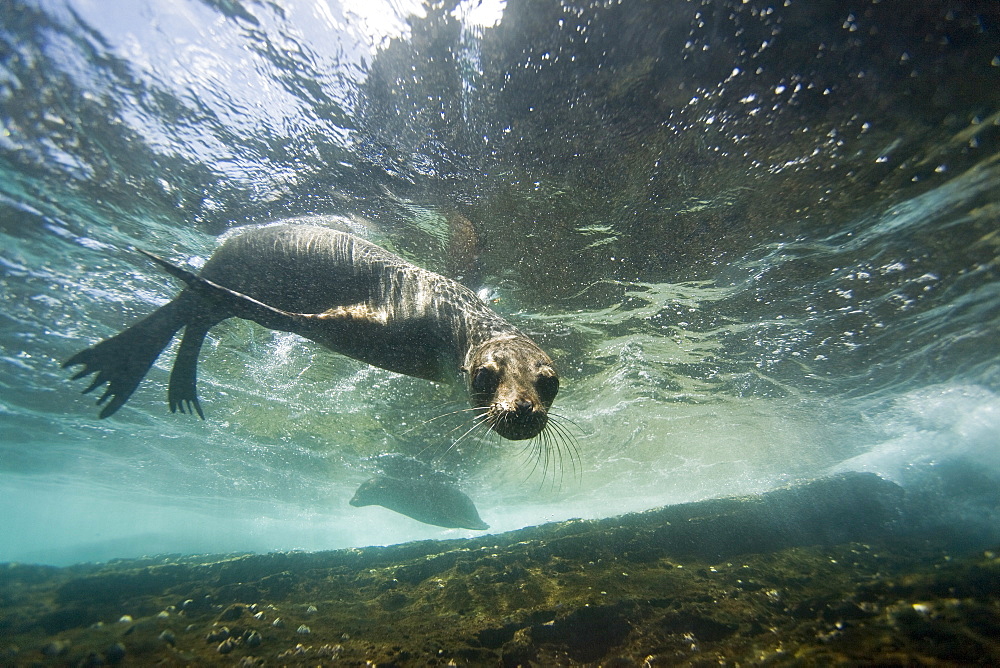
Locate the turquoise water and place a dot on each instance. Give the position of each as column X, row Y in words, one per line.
column 761, row 243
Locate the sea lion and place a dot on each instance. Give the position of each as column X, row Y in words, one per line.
column 415, row 489
column 425, row 500
column 348, row 295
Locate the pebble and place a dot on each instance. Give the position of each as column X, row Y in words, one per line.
column 250, row 662
column 226, row 646
column 304, row 630
column 329, row 651
column 55, row 648
column 168, row 637
column 311, row 610
column 125, row 619
column 259, row 615
column 254, row 639
column 278, row 623
column 115, row 653
column 218, row 634
column 232, row 613
column 92, row 660
column 298, row 650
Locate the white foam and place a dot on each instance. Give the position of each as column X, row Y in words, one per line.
column 935, row 425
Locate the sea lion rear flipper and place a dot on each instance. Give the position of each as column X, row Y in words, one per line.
column 182, row 394
column 123, row 360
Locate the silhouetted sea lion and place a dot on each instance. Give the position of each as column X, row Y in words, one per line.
column 348, row 295
column 413, row 488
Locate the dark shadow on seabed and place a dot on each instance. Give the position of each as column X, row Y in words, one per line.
column 820, row 572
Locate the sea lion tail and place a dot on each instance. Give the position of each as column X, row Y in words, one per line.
column 123, row 360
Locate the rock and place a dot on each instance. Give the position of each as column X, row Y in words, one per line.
column 232, row 613
column 115, row 653
column 56, row 648
column 92, row 660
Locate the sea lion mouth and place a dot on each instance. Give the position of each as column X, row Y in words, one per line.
column 518, row 424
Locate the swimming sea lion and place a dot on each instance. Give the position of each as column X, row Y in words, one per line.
column 351, row 297
column 415, row 489
column 426, row 500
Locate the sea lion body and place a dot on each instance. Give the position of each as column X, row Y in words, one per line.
column 382, row 310
column 351, row 297
column 414, row 488
column 425, row 500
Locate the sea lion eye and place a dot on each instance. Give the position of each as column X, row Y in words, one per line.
column 485, row 380
column 548, row 387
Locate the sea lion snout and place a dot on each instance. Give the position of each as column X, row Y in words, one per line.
column 515, row 381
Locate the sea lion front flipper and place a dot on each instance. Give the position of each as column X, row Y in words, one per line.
column 123, row 360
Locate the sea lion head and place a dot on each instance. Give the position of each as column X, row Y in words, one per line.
column 514, row 381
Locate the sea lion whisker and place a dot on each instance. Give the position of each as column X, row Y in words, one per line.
column 550, row 450
column 557, row 447
column 478, row 422
column 534, row 465
column 552, row 444
column 550, row 462
column 444, row 415
column 476, row 419
column 561, row 422
column 482, row 434
column 538, row 457
column 563, row 435
column 563, row 418
column 427, row 421
column 451, row 445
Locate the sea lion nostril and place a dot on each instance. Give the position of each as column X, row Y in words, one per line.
column 523, row 407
